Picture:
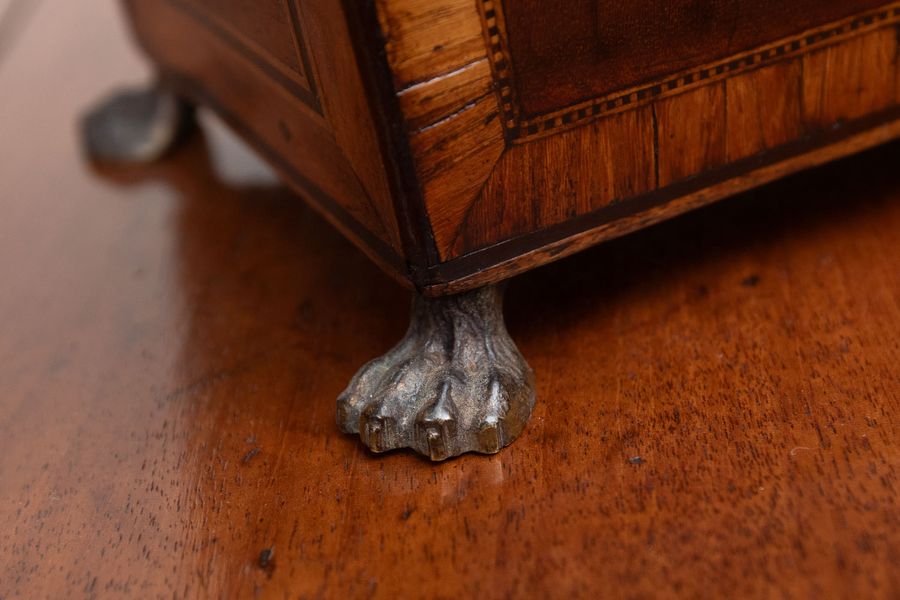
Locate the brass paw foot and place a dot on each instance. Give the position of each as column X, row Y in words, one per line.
column 136, row 126
column 456, row 383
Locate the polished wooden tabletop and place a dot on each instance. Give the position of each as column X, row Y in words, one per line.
column 718, row 397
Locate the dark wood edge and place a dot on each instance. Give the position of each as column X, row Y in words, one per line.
column 309, row 97
column 369, row 44
column 517, row 255
column 300, row 40
column 376, row 249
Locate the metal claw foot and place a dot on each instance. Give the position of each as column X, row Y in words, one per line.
column 136, row 126
column 456, row 383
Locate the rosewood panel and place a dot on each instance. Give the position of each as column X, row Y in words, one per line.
column 567, row 51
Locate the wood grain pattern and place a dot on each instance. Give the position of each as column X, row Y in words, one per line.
column 518, row 255
column 765, row 107
column 443, row 80
column 425, row 39
column 428, row 103
column 572, row 173
column 173, row 339
column 265, row 25
column 269, row 34
column 338, row 153
column 426, row 156
column 588, row 49
column 454, row 159
column 848, row 81
column 692, row 133
column 522, row 126
column 703, row 131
